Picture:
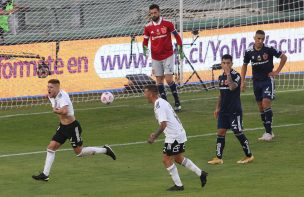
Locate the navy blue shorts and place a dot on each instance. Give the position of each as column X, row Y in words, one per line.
column 264, row 89
column 233, row 121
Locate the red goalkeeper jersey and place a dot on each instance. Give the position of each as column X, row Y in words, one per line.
column 160, row 36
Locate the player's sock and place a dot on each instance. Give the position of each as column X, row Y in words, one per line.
column 173, row 88
column 50, row 157
column 161, row 90
column 91, row 151
column 268, row 120
column 174, row 175
column 263, row 118
column 245, row 144
column 191, row 166
column 220, row 144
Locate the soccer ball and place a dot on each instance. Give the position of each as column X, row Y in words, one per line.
column 107, row 98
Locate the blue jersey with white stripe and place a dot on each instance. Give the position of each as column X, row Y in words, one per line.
column 230, row 99
column 261, row 61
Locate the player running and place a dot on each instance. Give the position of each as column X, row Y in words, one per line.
column 174, row 141
column 159, row 31
column 68, row 129
column 228, row 112
column 261, row 58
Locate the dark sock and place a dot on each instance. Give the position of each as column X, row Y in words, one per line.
column 263, row 119
column 220, row 144
column 245, row 144
column 161, row 90
column 173, row 88
column 268, row 120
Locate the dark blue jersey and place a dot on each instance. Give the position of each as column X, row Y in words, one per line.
column 230, row 99
column 261, row 61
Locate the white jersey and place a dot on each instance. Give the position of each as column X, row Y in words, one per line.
column 174, row 130
column 62, row 99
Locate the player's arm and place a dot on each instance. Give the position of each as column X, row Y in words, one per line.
column 178, row 40
column 217, row 107
column 244, row 71
column 146, row 41
column 61, row 111
column 158, row 132
column 231, row 83
column 281, row 65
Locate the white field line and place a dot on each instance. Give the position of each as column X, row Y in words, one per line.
column 50, row 112
column 117, row 106
column 144, row 142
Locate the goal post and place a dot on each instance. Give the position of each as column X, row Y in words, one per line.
column 95, row 46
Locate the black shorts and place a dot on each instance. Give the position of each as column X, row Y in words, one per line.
column 233, row 121
column 71, row 131
column 174, row 148
column 264, row 89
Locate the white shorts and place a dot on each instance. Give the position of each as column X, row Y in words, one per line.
column 163, row 67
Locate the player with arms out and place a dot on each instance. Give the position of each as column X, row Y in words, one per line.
column 159, row 31
column 261, row 58
column 69, row 129
column 228, row 112
column 174, row 141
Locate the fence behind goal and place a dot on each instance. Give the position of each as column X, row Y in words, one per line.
column 94, row 46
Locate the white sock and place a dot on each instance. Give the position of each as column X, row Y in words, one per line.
column 91, row 151
column 191, row 166
column 50, row 156
column 174, row 175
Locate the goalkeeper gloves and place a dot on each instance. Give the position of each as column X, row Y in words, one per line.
column 146, row 50
column 180, row 52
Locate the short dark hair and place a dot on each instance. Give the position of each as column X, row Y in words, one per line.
column 154, row 6
column 227, row 57
column 260, row 32
column 54, row 81
column 151, row 88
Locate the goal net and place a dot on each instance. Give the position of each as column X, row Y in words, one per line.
column 94, row 46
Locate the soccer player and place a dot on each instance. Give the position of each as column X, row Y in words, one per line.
column 261, row 58
column 69, row 128
column 159, row 31
column 228, row 112
column 174, row 141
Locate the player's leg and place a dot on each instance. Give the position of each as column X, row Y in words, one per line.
column 169, row 71
column 236, row 121
column 268, row 96
column 171, row 168
column 187, row 163
column 179, row 158
column 76, row 142
column 58, row 139
column 159, row 74
column 222, row 124
column 258, row 93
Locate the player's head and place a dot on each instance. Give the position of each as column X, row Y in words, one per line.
column 154, row 12
column 259, row 38
column 151, row 92
column 53, row 87
column 227, row 60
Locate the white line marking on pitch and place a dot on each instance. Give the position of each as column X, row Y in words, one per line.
column 116, row 106
column 50, row 112
column 159, row 140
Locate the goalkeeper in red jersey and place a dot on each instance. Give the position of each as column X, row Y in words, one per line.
column 159, row 31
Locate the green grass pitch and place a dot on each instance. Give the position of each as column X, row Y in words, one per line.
column 138, row 171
